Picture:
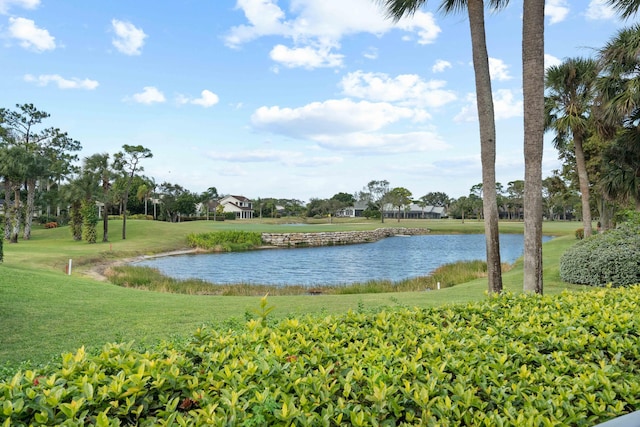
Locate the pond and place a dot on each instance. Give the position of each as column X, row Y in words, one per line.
column 393, row 258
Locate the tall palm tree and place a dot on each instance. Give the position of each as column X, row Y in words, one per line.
column 620, row 105
column 570, row 95
column 396, row 9
column 533, row 100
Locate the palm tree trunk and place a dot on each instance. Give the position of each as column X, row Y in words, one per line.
column 583, row 180
column 533, row 91
column 486, row 119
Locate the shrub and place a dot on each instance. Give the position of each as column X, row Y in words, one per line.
column 610, row 257
column 226, row 240
column 509, row 361
column 580, row 233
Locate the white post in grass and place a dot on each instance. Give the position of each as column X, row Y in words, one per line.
column 69, row 268
column 438, row 282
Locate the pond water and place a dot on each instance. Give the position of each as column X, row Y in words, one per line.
column 393, row 258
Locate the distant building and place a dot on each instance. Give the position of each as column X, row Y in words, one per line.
column 355, row 211
column 412, row 211
column 240, row 205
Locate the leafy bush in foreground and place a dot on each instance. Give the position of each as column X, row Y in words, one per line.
column 225, row 240
column 611, row 257
column 572, row 359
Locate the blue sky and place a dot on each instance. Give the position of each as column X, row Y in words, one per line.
column 289, row 99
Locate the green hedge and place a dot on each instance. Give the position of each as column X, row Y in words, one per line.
column 572, row 359
column 611, row 257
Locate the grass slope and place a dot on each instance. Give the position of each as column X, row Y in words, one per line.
column 44, row 312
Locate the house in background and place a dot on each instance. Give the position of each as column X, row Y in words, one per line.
column 240, row 205
column 414, row 211
column 355, row 211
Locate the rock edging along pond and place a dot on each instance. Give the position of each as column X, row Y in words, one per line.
column 331, row 238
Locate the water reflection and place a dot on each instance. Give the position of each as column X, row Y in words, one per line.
column 394, row 258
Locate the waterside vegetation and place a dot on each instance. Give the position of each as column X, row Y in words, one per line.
column 50, row 312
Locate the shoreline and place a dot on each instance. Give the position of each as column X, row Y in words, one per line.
column 97, row 271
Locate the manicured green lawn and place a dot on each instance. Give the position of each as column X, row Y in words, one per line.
column 44, row 312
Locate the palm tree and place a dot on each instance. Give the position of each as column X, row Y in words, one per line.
column 570, row 95
column 620, row 177
column 396, row 9
column 626, row 8
column 533, row 100
column 620, row 104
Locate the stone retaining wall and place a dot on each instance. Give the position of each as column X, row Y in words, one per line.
column 288, row 240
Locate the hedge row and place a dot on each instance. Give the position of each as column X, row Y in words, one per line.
column 510, row 360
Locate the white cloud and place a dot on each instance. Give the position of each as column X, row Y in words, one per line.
column 556, row 10
column 371, row 53
column 305, row 57
column 550, row 60
column 440, row 66
column 498, row 69
column 423, row 24
column 61, row 82
column 30, row 36
column 381, row 143
column 129, row 39
column 322, row 24
column 25, row 4
column 283, row 157
column 332, row 117
column 599, row 9
column 149, row 95
column 505, row 106
column 404, row 89
column 207, row 99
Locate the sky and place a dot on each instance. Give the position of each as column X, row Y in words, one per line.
column 294, row 99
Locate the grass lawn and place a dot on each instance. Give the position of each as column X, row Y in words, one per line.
column 44, row 312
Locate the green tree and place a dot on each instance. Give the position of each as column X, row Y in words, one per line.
column 208, row 198
column 570, row 97
column 399, row 197
column 436, row 198
column 486, row 117
column 128, row 162
column 13, row 168
column 375, row 193
column 345, row 199
column 49, row 150
column 99, row 166
column 186, row 203
column 620, row 103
